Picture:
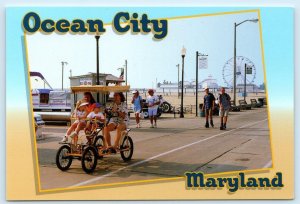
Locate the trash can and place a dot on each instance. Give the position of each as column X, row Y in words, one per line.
column 202, row 114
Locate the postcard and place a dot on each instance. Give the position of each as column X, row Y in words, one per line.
column 149, row 103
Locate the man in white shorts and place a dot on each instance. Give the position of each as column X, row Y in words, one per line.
column 224, row 101
column 153, row 102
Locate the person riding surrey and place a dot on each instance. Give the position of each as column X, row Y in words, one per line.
column 118, row 122
column 80, row 114
column 224, row 101
column 153, row 102
column 208, row 107
column 96, row 115
column 137, row 106
column 91, row 101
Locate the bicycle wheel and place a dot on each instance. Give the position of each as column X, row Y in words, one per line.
column 63, row 162
column 89, row 159
column 98, row 144
column 126, row 148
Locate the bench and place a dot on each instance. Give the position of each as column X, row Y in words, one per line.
column 244, row 105
column 262, row 101
column 233, row 107
column 186, row 109
column 255, row 104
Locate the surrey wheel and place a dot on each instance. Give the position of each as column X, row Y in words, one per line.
column 126, row 149
column 63, row 160
column 99, row 144
column 89, row 159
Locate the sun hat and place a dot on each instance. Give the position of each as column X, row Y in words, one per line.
column 135, row 91
column 83, row 104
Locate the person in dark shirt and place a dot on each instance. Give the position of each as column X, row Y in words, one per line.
column 208, row 107
column 224, row 101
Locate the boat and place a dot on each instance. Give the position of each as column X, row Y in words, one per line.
column 51, row 104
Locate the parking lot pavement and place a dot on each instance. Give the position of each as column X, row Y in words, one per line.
column 176, row 146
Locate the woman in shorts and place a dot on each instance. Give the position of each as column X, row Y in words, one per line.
column 118, row 122
column 137, row 106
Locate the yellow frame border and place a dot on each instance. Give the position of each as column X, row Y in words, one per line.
column 55, row 190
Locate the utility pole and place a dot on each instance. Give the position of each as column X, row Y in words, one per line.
column 62, row 74
column 178, row 79
column 197, row 61
column 126, row 78
column 245, row 82
column 97, row 71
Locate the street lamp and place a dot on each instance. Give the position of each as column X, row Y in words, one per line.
column 97, row 36
column 62, row 74
column 183, row 52
column 234, row 57
column 122, row 74
column 178, row 79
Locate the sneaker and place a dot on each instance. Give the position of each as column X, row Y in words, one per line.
column 151, row 126
column 155, row 125
column 212, row 123
column 206, row 125
column 65, row 139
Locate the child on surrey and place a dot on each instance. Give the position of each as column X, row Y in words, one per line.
column 97, row 115
column 79, row 124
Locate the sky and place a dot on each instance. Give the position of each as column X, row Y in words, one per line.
column 149, row 60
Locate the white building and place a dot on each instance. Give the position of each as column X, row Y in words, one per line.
column 209, row 83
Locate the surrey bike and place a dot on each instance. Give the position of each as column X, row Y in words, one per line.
column 93, row 152
column 88, row 153
column 68, row 151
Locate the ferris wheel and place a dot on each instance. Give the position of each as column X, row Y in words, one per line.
column 241, row 61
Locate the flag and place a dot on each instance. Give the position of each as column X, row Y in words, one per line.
column 122, row 73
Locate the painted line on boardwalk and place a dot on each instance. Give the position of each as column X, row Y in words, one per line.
column 162, row 154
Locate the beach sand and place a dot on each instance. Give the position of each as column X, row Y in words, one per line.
column 189, row 99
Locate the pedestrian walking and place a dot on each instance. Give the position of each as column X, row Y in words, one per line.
column 208, row 107
column 224, row 102
column 152, row 102
column 137, row 106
